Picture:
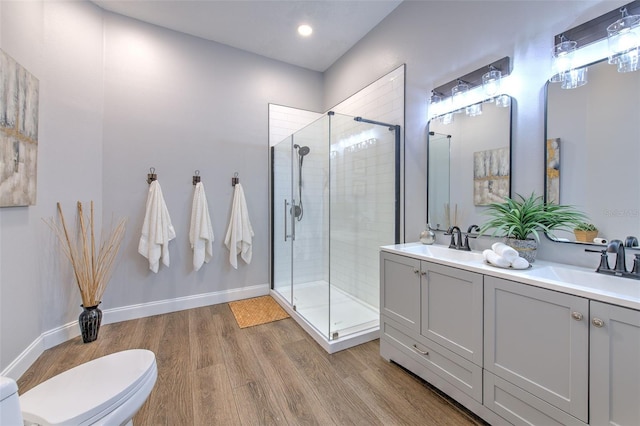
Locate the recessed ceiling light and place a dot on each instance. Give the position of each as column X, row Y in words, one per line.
column 305, row 30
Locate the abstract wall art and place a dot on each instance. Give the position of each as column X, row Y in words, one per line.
column 553, row 171
column 491, row 176
column 19, row 92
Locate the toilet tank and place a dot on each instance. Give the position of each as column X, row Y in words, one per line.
column 10, row 413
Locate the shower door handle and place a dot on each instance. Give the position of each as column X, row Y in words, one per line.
column 293, row 223
column 285, row 219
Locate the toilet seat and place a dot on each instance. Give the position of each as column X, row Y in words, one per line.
column 92, row 391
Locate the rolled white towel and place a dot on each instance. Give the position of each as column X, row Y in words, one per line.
column 520, row 263
column 494, row 246
column 485, row 254
column 505, row 251
column 497, row 260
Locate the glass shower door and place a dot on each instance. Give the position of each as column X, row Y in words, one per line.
column 309, row 221
column 363, row 216
column 282, row 238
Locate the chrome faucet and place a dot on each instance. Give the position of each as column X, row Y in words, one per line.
column 455, row 243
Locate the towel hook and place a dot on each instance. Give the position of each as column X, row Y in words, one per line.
column 151, row 176
column 235, row 179
column 196, row 177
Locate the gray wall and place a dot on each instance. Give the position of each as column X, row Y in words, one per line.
column 61, row 44
column 178, row 103
column 442, row 40
column 116, row 97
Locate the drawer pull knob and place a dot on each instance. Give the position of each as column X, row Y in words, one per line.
column 416, row 271
column 576, row 316
column 597, row 322
column 415, row 348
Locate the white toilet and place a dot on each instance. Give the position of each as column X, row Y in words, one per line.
column 106, row 391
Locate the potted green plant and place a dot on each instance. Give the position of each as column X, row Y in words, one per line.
column 585, row 232
column 520, row 220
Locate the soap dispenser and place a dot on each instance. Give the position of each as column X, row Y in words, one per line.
column 428, row 236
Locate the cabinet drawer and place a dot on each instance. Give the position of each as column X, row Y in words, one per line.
column 459, row 372
column 520, row 407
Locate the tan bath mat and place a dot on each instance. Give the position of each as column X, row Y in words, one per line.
column 256, row 311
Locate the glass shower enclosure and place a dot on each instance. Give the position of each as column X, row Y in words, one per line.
column 335, row 201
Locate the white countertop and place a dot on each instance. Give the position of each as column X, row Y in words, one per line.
column 569, row 279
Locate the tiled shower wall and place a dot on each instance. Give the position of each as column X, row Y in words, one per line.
column 362, row 166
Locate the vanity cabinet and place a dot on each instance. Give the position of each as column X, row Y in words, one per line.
column 615, row 365
column 431, row 315
column 512, row 351
column 536, row 341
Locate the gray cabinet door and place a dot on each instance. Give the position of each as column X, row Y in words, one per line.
column 615, row 365
column 400, row 289
column 452, row 309
column 538, row 340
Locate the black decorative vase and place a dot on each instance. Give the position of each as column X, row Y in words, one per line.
column 89, row 320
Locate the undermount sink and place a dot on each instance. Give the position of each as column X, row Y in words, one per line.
column 572, row 276
column 444, row 252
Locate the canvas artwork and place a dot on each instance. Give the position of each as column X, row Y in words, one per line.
column 553, row 171
column 491, row 170
column 18, row 133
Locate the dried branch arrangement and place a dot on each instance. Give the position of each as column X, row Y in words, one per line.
column 92, row 267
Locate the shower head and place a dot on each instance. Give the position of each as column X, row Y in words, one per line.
column 302, row 150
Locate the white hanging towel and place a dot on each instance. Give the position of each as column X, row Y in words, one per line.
column 240, row 232
column 201, row 231
column 157, row 229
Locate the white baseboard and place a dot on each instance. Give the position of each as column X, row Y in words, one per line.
column 61, row 334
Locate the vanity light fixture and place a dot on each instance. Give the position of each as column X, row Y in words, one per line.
column 623, row 37
column 623, row 45
column 457, row 95
column 491, row 81
column 435, row 102
column 563, row 66
column 446, row 118
column 474, row 110
column 503, row 101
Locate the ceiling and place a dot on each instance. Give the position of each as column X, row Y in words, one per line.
column 266, row 27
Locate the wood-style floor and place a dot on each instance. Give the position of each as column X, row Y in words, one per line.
column 211, row 372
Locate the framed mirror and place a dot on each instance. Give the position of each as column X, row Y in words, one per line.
column 469, row 164
column 592, row 150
